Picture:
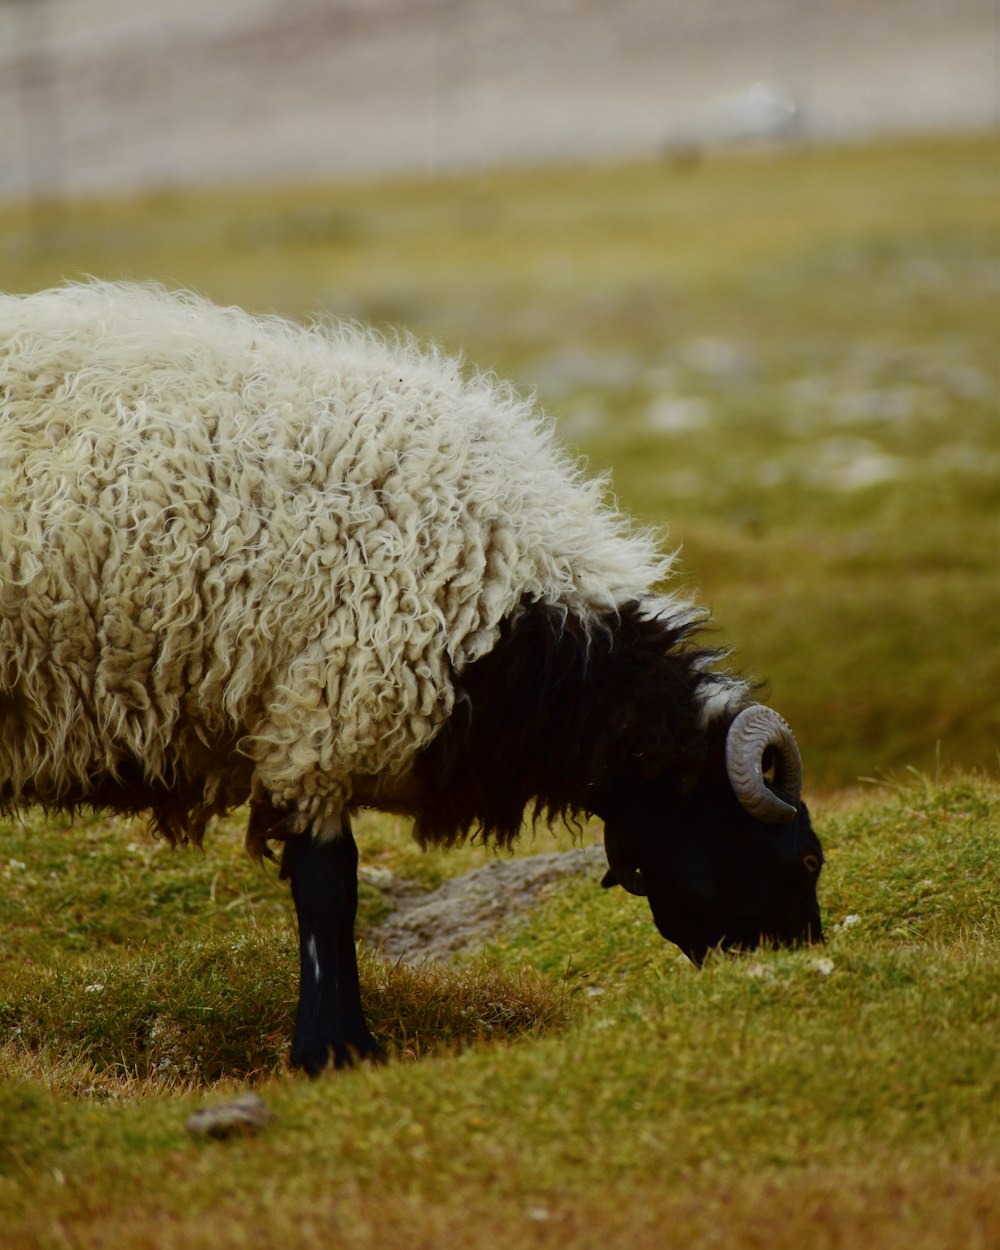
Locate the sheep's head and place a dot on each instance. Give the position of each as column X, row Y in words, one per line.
column 732, row 861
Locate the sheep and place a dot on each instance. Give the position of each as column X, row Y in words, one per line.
column 312, row 569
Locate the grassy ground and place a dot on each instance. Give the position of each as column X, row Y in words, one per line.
column 577, row 1084
column 791, row 359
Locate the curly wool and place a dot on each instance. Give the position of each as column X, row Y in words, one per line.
column 249, row 557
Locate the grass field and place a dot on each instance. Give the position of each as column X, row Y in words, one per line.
column 791, row 360
column 578, row 1084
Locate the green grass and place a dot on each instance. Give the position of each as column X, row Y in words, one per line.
column 578, row 1083
column 790, row 359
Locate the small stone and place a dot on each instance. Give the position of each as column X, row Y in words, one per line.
column 759, row 972
column 246, row 1114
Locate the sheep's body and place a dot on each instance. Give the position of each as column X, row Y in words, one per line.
column 242, row 557
column 242, row 560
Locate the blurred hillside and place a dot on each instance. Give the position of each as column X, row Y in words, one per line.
column 108, row 95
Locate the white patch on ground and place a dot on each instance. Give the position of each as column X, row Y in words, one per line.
column 816, row 402
column 759, row 972
column 466, row 912
column 838, row 464
column 718, row 359
column 678, row 414
column 849, row 464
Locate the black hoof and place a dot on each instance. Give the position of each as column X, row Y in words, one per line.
column 313, row 1058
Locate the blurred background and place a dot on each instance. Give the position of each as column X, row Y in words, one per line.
column 102, row 95
column 747, row 252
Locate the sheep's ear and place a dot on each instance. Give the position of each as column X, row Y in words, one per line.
column 608, row 880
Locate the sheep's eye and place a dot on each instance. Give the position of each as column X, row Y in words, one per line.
column 811, row 863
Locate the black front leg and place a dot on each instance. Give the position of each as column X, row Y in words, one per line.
column 324, row 877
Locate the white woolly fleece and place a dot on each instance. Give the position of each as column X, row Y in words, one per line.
column 217, row 528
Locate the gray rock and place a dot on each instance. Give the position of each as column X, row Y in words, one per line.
column 467, row 911
column 246, row 1114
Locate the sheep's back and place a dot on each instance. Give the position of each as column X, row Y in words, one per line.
column 223, row 533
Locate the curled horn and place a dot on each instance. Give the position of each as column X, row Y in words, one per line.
column 623, row 870
column 750, row 735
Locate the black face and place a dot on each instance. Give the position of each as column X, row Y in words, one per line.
column 714, row 876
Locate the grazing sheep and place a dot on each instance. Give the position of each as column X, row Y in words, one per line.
column 311, row 569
